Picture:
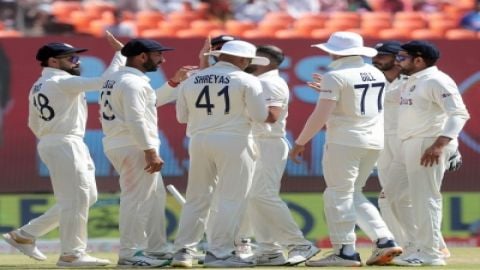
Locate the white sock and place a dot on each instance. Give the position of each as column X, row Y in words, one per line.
column 348, row 250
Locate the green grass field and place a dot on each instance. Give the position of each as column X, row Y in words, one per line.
column 462, row 258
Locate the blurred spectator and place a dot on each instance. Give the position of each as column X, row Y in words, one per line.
column 254, row 10
column 296, row 8
column 165, row 6
column 471, row 20
column 120, row 28
column 219, row 9
column 358, row 5
column 392, row 6
column 333, row 5
column 430, row 6
column 8, row 11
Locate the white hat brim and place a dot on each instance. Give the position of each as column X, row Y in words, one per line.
column 256, row 60
column 365, row 51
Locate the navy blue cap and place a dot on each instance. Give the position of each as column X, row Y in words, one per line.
column 421, row 48
column 388, row 47
column 221, row 39
column 137, row 46
column 55, row 49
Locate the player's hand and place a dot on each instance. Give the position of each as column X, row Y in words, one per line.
column 154, row 162
column 433, row 153
column 454, row 162
column 115, row 43
column 316, row 84
column 207, row 47
column 183, row 73
column 296, row 153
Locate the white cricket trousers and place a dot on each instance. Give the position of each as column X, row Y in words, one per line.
column 231, row 158
column 424, row 184
column 403, row 230
column 142, row 203
column 270, row 219
column 346, row 170
column 72, row 174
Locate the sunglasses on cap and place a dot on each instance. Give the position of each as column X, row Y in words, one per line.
column 74, row 59
column 401, row 58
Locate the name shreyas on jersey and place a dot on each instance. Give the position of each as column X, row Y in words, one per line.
column 37, row 87
column 367, row 77
column 108, row 84
column 211, row 78
column 406, row 101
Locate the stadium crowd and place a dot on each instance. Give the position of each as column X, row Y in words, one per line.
column 248, row 18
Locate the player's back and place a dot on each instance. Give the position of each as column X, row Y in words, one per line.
column 53, row 110
column 358, row 117
column 221, row 98
column 127, row 103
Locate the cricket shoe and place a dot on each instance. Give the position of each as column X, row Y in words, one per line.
column 419, row 259
column 340, row 260
column 446, row 253
column 160, row 255
column 81, row 260
column 270, row 259
column 183, row 258
column 245, row 249
column 231, row 261
column 301, row 253
column 141, row 260
column 383, row 254
column 25, row 245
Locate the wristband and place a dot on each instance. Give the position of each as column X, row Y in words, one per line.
column 172, row 83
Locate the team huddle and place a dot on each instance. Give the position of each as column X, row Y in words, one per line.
column 400, row 114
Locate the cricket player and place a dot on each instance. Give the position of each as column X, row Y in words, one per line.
column 57, row 117
column 218, row 104
column 129, row 120
column 264, row 202
column 402, row 228
column 431, row 115
column 351, row 104
column 398, row 216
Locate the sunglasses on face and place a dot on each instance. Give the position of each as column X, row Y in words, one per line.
column 401, row 58
column 74, row 59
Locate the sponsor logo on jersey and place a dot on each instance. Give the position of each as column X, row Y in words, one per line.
column 37, row 87
column 406, row 101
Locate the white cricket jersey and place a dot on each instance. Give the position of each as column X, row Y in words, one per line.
column 428, row 99
column 221, row 98
column 57, row 104
column 358, row 88
column 276, row 93
column 127, row 110
column 392, row 103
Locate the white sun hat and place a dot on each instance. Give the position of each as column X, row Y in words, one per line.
column 241, row 49
column 346, row 43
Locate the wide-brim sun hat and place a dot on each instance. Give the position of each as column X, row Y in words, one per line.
column 346, row 43
column 243, row 49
